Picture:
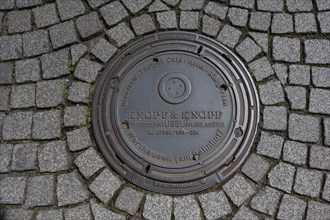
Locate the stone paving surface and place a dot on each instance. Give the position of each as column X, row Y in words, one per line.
column 51, row 53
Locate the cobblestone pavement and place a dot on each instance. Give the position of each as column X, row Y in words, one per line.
column 51, row 53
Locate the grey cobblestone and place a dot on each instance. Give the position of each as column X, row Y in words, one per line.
column 25, row 157
column 291, row 208
column 308, row 182
column 36, row 43
column 55, row 64
column 319, row 157
column 296, row 96
column 326, row 189
column 157, row 6
column 18, row 213
column 143, row 24
column 186, row 207
column 120, row 34
column 45, row 15
column 103, row 50
column 317, row 210
column 89, row 25
column 299, row 75
column 129, row 200
column 70, row 9
column 317, row 51
column 245, row 214
column 214, row 8
column 12, row 190
column 7, row 4
column 324, row 20
column 87, row 70
column 157, row 207
column 282, row 176
column 118, row 12
column 40, row 191
column 275, row 118
column 243, row 3
column 46, row 125
column 281, row 72
column 322, row 5
column 304, row 128
column 188, row 5
column 23, row 96
column 282, row 23
column 5, row 157
column 97, row 3
column 63, row 34
column 260, row 21
column 270, row 5
column 105, row 185
column 77, row 51
column 238, row 16
column 27, row 70
column 136, row 6
column 17, row 126
column 89, row 163
column 270, row 145
column 215, row 204
column 261, row 68
column 238, row 189
column 101, row 213
column 6, row 73
column 261, row 39
column 210, row 25
column 4, row 97
column 79, row 139
column 171, row 2
column 295, row 152
column 53, row 157
column 10, row 47
column 81, row 212
column 319, row 101
column 266, row 201
column 167, row 20
column 326, row 124
column 286, row 49
column 74, row 116
column 271, row 93
column 50, row 93
column 255, row 167
column 19, row 21
column 305, row 23
column 70, row 190
column 229, row 36
column 299, row 6
column 53, row 214
column 321, row 76
column 79, row 92
column 248, row 49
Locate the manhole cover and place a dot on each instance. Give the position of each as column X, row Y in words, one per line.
column 175, row 112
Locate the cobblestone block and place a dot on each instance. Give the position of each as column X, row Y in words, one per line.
column 77, row 52
column 275, row 118
column 87, row 70
column 229, row 36
column 50, row 93
column 317, row 210
column 305, row 23
column 215, row 204
column 270, row 5
column 79, row 139
column 308, row 182
column 282, row 176
column 4, row 97
column 12, row 190
column 63, row 34
column 167, row 20
column 136, row 6
column 186, row 207
column 215, row 9
column 19, row 21
column 129, row 200
column 286, row 49
column 103, row 50
column 321, row 76
column 25, row 157
column 266, row 201
column 70, row 9
column 10, row 47
column 326, row 189
column 188, row 5
column 7, row 4
column 17, row 126
column 27, row 70
column 6, row 73
column 55, row 214
column 79, row 92
column 291, row 208
column 5, row 157
column 299, row 74
column 46, row 125
column 243, row 3
column 157, row 6
column 53, row 157
column 299, row 6
column 89, row 25
column 81, row 212
column 296, row 96
column 89, row 163
column 23, row 96
column 158, row 207
column 295, row 152
column 45, row 15
column 248, row 49
column 319, row 157
column 40, row 191
column 304, row 128
column 74, row 116
column 270, row 145
column 238, row 16
column 70, row 189
column 322, row 5
column 245, row 214
column 255, row 167
column 282, row 23
column 21, row 214
column 238, row 189
column 261, row 68
column 271, row 93
column 55, row 64
column 118, row 12
column 210, row 25
column 171, row 2
column 324, row 20
column 260, row 21
column 281, row 72
column 97, row 3
column 36, row 43
column 317, row 51
column 326, row 123
column 319, row 101
column 120, row 34
column 261, row 39
column 143, row 24
column 101, row 213
column 105, row 185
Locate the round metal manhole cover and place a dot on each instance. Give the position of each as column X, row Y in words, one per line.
column 175, row 112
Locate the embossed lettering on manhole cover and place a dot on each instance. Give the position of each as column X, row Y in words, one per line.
column 175, row 112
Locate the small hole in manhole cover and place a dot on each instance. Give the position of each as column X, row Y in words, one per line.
column 178, row 109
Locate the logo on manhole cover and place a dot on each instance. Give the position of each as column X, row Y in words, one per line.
column 175, row 112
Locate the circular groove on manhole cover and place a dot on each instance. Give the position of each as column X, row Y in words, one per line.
column 175, row 112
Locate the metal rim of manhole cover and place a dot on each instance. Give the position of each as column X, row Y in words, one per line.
column 175, row 112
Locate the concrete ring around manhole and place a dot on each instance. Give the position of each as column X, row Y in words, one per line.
column 175, row 112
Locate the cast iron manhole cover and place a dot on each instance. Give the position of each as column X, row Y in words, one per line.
column 175, row 112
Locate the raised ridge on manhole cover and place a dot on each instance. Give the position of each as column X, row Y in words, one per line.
column 175, row 112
